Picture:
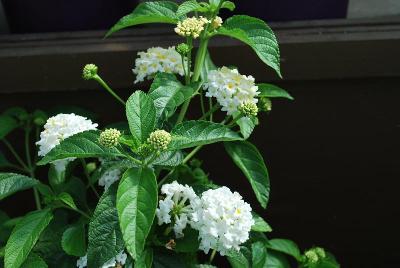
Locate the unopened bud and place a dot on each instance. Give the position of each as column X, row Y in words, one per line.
column 110, row 137
column 249, row 109
column 89, row 71
column 265, row 104
column 159, row 140
column 183, row 49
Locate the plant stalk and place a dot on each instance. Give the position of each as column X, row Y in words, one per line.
column 104, row 85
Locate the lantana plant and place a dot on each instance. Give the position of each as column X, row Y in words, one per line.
column 151, row 204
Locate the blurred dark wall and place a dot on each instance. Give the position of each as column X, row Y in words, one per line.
column 332, row 156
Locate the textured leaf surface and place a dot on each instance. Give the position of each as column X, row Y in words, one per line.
column 24, row 237
column 136, row 204
column 141, row 114
column 285, row 246
column 168, row 94
column 11, row 183
column 105, row 237
column 82, row 145
column 257, row 34
column 260, row 225
column 169, row 159
column 67, row 199
column 34, row 261
column 247, row 126
column 277, row 260
column 7, row 124
column 73, row 240
column 148, row 12
column 247, row 157
column 237, row 259
column 194, row 133
column 145, row 260
column 187, row 7
column 259, row 255
column 272, row 91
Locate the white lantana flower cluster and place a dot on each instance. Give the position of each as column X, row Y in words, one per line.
column 57, row 129
column 120, row 260
column 231, row 89
column 223, row 220
column 191, row 27
column 176, row 206
column 157, row 60
column 109, row 177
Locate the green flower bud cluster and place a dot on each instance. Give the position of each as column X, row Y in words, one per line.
column 265, row 104
column 159, row 140
column 314, row 255
column 110, row 137
column 145, row 150
column 183, row 49
column 89, row 71
column 249, row 109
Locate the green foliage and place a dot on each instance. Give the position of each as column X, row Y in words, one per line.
column 34, row 261
column 238, row 259
column 247, row 125
column 257, row 34
column 7, row 125
column 136, row 203
column 145, row 259
column 247, row 157
column 141, row 114
column 189, row 6
column 277, row 260
column 24, row 237
column 105, row 237
column 260, row 225
column 73, row 240
column 259, row 255
column 285, row 246
column 169, row 159
column 195, row 133
column 148, row 12
column 11, row 183
column 272, row 91
column 82, row 145
column 168, row 94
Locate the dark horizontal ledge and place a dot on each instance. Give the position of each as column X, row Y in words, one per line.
column 310, row 50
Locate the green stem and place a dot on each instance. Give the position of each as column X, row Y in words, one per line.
column 153, row 157
column 11, row 148
column 88, row 178
column 212, row 256
column 210, row 112
column 36, row 193
column 27, row 149
column 78, row 211
column 163, row 180
column 203, row 109
column 189, row 60
column 191, row 154
column 210, row 103
column 234, row 120
column 201, row 54
column 104, row 84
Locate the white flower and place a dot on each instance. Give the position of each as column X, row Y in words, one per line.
column 157, row 60
column 231, row 89
column 176, row 206
column 109, row 177
column 223, row 220
column 191, row 26
column 81, row 262
column 58, row 128
column 217, row 22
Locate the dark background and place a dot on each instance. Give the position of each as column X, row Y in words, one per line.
column 332, row 154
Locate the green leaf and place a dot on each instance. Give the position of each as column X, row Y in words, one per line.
column 67, row 199
column 24, row 237
column 105, row 237
column 277, row 260
column 168, row 94
column 194, row 133
column 187, row 7
column 169, row 159
column 247, row 157
column 11, row 183
column 260, row 225
column 7, row 124
column 145, row 260
column 285, row 246
column 136, row 203
column 82, row 145
column 189, row 242
column 73, row 240
column 3, row 161
column 148, row 12
column 247, row 126
column 259, row 255
column 272, row 91
column 237, row 259
column 34, row 261
column 257, row 34
column 228, row 5
column 141, row 114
